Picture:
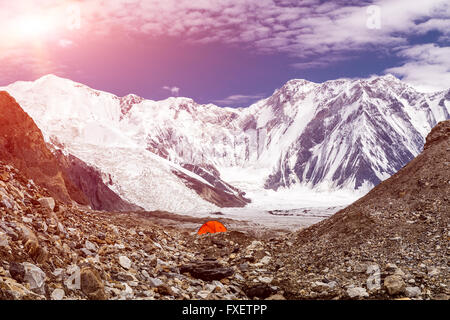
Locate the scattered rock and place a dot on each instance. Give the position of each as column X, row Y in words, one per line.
column 91, row 284
column 58, row 294
column 413, row 292
column 261, row 291
column 357, row 292
column 394, row 285
column 35, row 277
column 17, row 271
column 48, row 203
column 207, row 271
column 125, row 262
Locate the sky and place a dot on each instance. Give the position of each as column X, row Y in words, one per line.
column 226, row 52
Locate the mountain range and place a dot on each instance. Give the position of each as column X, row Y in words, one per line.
column 181, row 156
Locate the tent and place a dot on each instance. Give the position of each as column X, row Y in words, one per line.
column 212, row 227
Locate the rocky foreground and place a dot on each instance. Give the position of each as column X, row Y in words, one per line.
column 392, row 243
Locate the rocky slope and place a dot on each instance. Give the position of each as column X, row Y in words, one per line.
column 22, row 145
column 390, row 244
column 49, row 250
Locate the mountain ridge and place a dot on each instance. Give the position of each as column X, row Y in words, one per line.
column 339, row 134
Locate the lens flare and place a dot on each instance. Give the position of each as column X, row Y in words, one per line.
column 32, row 26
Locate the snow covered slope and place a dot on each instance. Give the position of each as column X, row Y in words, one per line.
column 341, row 134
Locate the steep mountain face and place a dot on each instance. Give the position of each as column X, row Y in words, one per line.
column 362, row 132
column 348, row 134
column 22, row 145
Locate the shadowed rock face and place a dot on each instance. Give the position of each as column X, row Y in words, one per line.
column 23, row 146
column 221, row 197
column 90, row 182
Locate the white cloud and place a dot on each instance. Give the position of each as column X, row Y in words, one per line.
column 239, row 100
column 173, row 90
column 301, row 29
column 427, row 67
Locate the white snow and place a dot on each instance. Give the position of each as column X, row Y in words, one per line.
column 246, row 145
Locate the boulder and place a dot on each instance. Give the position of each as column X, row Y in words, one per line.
column 48, row 203
column 125, row 262
column 394, row 285
column 17, row 271
column 35, row 277
column 357, row 292
column 207, row 270
column 91, row 284
column 58, row 294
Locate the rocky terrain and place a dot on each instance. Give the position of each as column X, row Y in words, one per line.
column 392, row 243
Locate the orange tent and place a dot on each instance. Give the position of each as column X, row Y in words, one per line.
column 212, row 227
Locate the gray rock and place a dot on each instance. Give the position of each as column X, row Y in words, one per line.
column 265, row 279
column 394, row 284
column 3, row 239
column 58, row 294
column 35, row 277
column 125, row 262
column 155, row 282
column 48, row 203
column 90, row 246
column 413, row 292
column 357, row 292
column 433, row 271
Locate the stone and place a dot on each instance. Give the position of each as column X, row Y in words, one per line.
column 261, row 291
column 11, row 290
column 433, row 271
column 413, row 292
column 207, row 270
column 394, row 284
column 58, row 294
column 203, row 294
column 91, row 284
column 265, row 260
column 391, row 267
column 35, row 277
column 3, row 239
column 319, row 286
column 90, row 246
column 127, row 293
column 125, row 262
column 17, row 271
column 155, row 282
column 357, row 292
column 265, row 279
column 36, row 252
column 48, row 203
column 276, row 297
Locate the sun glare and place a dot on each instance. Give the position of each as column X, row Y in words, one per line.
column 33, row 26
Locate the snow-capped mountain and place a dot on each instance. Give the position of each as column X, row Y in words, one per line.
column 348, row 134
